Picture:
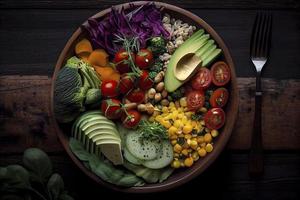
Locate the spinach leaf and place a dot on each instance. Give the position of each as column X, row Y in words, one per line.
column 65, row 196
column 55, row 186
column 38, row 163
column 78, row 150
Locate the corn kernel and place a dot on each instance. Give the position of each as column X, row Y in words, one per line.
column 158, row 118
column 193, row 144
column 214, row 133
column 165, row 109
column 202, row 152
column 155, row 113
column 194, row 124
column 173, row 137
column 180, row 115
column 188, row 136
column 173, row 142
column 176, row 156
column 171, row 104
column 172, row 130
column 207, row 138
column 166, row 123
column 188, row 114
column 187, row 129
column 177, row 148
column 200, row 139
column 188, row 162
column 185, row 152
column 186, row 146
column 176, row 164
column 209, row 148
column 195, row 155
column 177, row 123
column 202, row 122
column 183, row 102
column 180, row 110
column 203, row 144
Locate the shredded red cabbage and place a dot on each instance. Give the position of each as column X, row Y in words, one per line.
column 143, row 23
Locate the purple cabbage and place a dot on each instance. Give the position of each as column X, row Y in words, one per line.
column 142, row 23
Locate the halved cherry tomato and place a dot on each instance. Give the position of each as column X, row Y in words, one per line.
column 144, row 58
column 195, row 100
column 111, row 108
column 136, row 96
column 202, row 79
column 220, row 73
column 109, row 88
column 122, row 61
column 131, row 119
column 214, row 118
column 126, row 83
column 219, row 98
column 145, row 82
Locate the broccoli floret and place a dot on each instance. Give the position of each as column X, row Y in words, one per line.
column 157, row 66
column 157, row 45
column 177, row 94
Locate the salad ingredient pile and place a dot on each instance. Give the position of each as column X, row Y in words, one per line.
column 132, row 120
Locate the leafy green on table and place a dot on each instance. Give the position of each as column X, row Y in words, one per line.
column 33, row 180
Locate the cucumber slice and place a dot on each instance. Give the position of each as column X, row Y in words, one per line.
column 164, row 159
column 130, row 158
column 147, row 150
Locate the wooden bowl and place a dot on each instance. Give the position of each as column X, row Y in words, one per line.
column 179, row 177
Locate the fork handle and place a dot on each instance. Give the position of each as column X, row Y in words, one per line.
column 256, row 162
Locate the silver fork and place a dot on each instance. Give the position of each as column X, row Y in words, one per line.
column 259, row 49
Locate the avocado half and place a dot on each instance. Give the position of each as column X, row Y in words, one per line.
column 199, row 44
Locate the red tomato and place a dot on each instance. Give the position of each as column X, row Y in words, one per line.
column 111, row 108
column 131, row 119
column 122, row 61
column 145, row 82
column 136, row 96
column 126, row 83
column 144, row 58
column 109, row 88
column 214, row 118
column 202, row 79
column 219, row 98
column 195, row 100
column 220, row 73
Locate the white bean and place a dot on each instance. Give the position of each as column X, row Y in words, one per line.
column 160, row 86
column 151, row 93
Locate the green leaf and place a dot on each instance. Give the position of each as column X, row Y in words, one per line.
column 78, row 149
column 55, row 186
column 38, row 163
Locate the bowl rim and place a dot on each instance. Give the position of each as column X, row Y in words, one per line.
column 229, row 123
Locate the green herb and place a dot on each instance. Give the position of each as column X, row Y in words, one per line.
column 157, row 66
column 152, row 130
column 33, row 181
column 181, row 141
column 196, row 117
column 157, row 45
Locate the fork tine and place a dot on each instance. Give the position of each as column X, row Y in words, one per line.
column 261, row 35
column 267, row 36
column 255, row 35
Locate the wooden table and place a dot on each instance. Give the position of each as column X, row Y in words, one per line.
column 32, row 34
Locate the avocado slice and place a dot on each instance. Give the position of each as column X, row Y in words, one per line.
column 212, row 56
column 102, row 136
column 112, row 151
column 191, row 45
column 99, row 133
column 208, row 52
column 204, row 49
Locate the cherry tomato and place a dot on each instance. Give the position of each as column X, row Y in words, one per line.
column 136, row 96
column 109, row 88
column 195, row 100
column 219, row 98
column 126, row 83
column 202, row 79
column 220, row 73
column 144, row 58
column 145, row 82
column 131, row 119
column 214, row 118
column 122, row 61
column 111, row 108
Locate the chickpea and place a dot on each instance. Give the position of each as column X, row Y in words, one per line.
column 160, row 86
column 157, row 97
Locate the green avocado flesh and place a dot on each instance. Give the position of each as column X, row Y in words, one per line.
column 200, row 44
column 99, row 135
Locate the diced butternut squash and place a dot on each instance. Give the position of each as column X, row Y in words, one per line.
column 84, row 56
column 83, row 45
column 98, row 58
column 104, row 72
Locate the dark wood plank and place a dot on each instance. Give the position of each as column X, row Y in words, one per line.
column 24, row 114
column 227, row 178
column 31, row 40
column 71, row 4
